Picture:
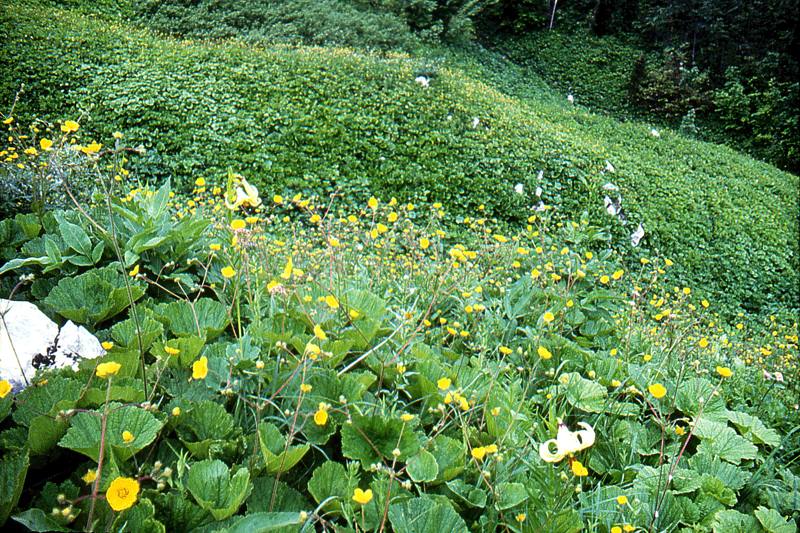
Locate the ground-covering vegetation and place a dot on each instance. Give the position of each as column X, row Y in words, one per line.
column 378, row 288
column 283, row 362
column 325, row 120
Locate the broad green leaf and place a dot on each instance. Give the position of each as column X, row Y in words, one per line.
column 467, row 494
column 695, row 396
column 425, row 515
column 732, row 476
column 75, row 237
column 44, row 433
column 278, row 458
column 13, row 469
column 126, row 333
column 139, row 518
column 36, row 520
column 331, row 480
column 215, row 490
column 84, row 433
column 179, row 513
column 510, row 495
column 582, row 393
column 204, row 318
column 450, row 456
column 270, row 495
column 752, row 428
column 772, row 521
column 728, row 446
column 371, row 439
column 730, row 521
column 266, row 523
column 422, row 467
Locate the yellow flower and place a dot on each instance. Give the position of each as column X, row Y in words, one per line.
column 305, row 388
column 200, row 368
column 238, row 224
column 505, row 350
column 127, row 436
column 578, row 469
column 548, row 317
column 617, row 274
column 680, row 431
column 278, row 199
column 703, row 343
column 392, row 217
column 288, row 268
column 200, row 182
column 176, row 411
column 91, row 148
column 5, row 388
column 9, row 120
column 628, row 528
column 521, row 517
column 228, row 272
column 478, row 453
column 321, row 416
column 45, row 144
column 332, row 302
column 105, row 370
column 135, row 272
column 622, row 500
column 657, row 390
column 544, row 353
column 107, row 345
column 424, row 243
column 89, row 476
column 373, row 203
column 616, row 529
column 171, row 351
column 444, row 383
column 240, row 193
column 405, row 417
column 333, row 241
column 687, row 291
column 70, row 126
column 362, row 497
column 122, row 493
column 724, row 371
column 117, row 135
column 319, row 333
column 215, row 247
column 604, row 280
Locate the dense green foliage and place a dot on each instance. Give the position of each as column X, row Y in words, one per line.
column 332, row 120
column 725, row 70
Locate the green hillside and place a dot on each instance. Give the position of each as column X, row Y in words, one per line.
column 326, row 119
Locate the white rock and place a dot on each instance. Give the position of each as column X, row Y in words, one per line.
column 475, row 122
column 540, row 175
column 609, row 166
column 570, row 99
column 519, row 188
column 610, row 187
column 75, row 342
column 26, row 337
column 423, row 80
column 654, row 133
column 538, row 192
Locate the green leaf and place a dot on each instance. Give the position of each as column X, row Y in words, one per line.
column 215, row 490
column 582, row 393
column 468, row 494
column 42, row 400
column 139, row 518
column 372, row 439
column 44, row 433
column 449, row 454
column 204, row 318
column 75, row 237
column 83, row 436
column 696, row 396
column 37, row 520
column 93, row 296
column 772, row 521
column 331, row 480
column 730, row 521
column 277, row 456
column 422, row 467
column 266, row 523
column 510, row 495
column 269, row 495
column 728, row 446
column 754, row 429
column 13, row 469
column 125, row 333
column 425, row 515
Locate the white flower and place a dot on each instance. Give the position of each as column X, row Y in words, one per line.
column 570, row 99
column 540, row 175
column 475, row 122
column 566, row 442
column 613, row 207
column 637, row 235
column 609, row 166
column 654, row 133
column 519, row 188
column 610, row 187
column 423, row 80
column 539, row 192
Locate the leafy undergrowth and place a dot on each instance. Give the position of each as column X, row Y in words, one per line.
column 284, row 362
column 321, row 120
